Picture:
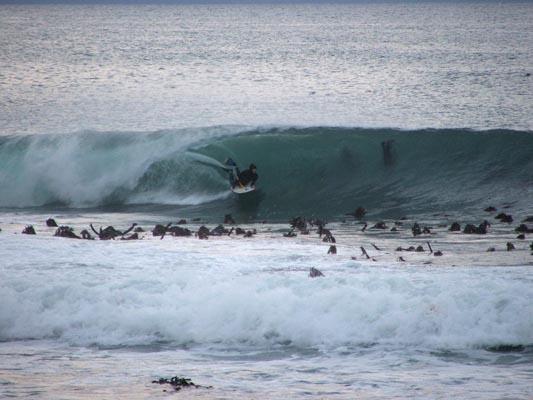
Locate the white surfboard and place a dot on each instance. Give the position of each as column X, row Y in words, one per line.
column 242, row 189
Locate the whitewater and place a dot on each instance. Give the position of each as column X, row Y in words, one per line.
column 120, row 114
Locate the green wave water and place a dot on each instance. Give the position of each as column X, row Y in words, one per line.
column 317, row 171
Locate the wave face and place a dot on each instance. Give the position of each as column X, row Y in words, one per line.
column 312, row 171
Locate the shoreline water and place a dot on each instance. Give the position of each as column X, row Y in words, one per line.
column 82, row 373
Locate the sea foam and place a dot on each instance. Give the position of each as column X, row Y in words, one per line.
column 255, row 292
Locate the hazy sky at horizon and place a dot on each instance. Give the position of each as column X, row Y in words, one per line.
column 245, row 1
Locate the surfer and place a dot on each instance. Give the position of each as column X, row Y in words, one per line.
column 244, row 178
column 249, row 176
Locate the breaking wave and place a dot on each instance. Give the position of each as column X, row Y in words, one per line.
column 194, row 302
column 312, row 171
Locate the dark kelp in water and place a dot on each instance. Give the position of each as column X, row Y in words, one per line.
column 179, row 382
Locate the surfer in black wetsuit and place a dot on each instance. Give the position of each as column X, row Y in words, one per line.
column 249, row 176
column 244, row 178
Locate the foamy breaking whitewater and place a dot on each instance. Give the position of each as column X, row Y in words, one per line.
column 92, row 169
column 234, row 291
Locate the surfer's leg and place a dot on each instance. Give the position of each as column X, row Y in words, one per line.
column 234, row 176
column 231, row 177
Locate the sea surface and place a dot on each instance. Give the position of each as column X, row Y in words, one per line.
column 121, row 114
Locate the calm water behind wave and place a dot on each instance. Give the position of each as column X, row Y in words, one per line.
column 70, row 68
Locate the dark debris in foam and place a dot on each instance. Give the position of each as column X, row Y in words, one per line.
column 301, row 225
column 506, row 348
column 178, row 383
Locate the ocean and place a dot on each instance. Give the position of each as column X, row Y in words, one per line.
column 419, row 112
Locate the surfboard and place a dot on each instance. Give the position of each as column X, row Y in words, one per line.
column 242, row 189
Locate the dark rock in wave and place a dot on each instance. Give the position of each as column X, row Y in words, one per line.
column 455, row 227
column 110, row 232
column 159, row 230
column 480, row 230
column 51, row 223
column 410, row 248
column 28, row 230
column 523, row 228
column 250, row 234
column 134, row 236
column 379, row 225
column 469, row 228
column 219, row 231
column 179, row 231
column 86, row 235
column 503, row 217
column 314, row 273
column 203, row 232
column 66, row 232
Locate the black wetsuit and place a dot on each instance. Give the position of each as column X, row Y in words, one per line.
column 247, row 177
